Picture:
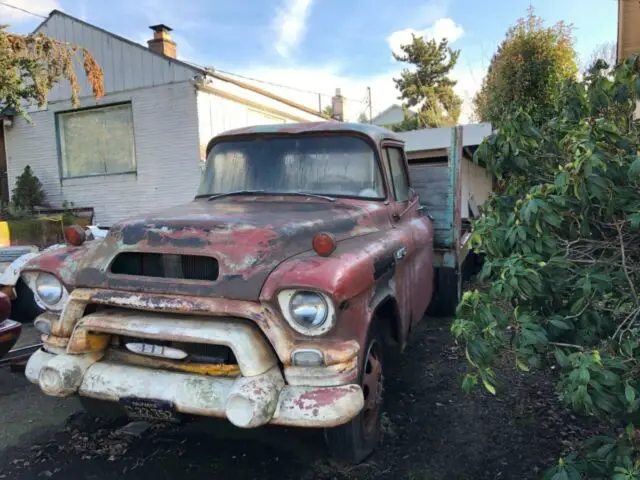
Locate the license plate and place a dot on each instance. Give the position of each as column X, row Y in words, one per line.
column 154, row 410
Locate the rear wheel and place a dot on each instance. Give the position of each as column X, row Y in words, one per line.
column 448, row 289
column 356, row 440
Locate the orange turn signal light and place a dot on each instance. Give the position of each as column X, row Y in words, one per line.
column 75, row 235
column 324, row 244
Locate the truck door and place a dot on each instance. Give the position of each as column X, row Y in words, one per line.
column 413, row 264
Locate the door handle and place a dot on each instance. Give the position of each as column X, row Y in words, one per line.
column 401, row 253
column 423, row 210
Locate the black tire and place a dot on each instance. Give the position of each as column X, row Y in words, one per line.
column 447, row 293
column 353, row 442
column 24, row 308
column 102, row 409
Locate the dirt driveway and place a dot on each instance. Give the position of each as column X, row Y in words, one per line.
column 431, row 431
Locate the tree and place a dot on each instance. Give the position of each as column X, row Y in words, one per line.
column 605, row 51
column 28, row 192
column 362, row 118
column 525, row 72
column 328, row 111
column 31, row 65
column 560, row 282
column 429, row 86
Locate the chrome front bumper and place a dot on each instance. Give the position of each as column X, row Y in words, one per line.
column 246, row 402
column 78, row 359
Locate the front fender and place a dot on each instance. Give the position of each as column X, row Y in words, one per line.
column 356, row 266
column 353, row 276
column 11, row 275
column 62, row 260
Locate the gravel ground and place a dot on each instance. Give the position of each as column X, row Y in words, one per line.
column 431, row 431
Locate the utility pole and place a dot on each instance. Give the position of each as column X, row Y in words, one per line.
column 370, row 106
column 320, row 103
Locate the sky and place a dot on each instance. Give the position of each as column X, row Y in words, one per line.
column 321, row 45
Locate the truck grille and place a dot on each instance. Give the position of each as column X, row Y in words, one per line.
column 187, row 267
column 196, row 352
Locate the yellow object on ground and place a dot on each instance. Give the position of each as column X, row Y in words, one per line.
column 5, row 238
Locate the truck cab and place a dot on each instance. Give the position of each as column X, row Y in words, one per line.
column 271, row 298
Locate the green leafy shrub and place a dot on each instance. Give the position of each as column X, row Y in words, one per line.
column 561, row 279
column 526, row 71
column 28, row 192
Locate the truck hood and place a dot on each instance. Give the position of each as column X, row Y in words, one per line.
column 247, row 238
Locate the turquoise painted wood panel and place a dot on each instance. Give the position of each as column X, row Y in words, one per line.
column 432, row 182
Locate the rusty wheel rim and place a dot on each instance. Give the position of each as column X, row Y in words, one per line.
column 372, row 387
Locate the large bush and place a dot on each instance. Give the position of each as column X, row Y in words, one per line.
column 526, row 71
column 561, row 280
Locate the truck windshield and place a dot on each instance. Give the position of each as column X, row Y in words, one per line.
column 325, row 165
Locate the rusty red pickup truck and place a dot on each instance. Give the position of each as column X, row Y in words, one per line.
column 269, row 299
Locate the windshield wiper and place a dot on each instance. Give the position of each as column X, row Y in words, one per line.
column 264, row 192
column 235, row 192
column 314, row 195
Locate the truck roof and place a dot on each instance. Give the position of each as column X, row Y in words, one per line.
column 374, row 132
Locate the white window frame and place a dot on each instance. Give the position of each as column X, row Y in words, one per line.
column 59, row 119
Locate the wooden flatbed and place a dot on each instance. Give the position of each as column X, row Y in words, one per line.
column 450, row 186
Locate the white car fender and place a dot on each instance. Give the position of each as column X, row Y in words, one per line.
column 11, row 275
column 98, row 232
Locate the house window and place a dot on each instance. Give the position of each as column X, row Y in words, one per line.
column 97, row 141
column 398, row 174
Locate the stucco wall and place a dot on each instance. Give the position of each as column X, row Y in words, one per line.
column 165, row 126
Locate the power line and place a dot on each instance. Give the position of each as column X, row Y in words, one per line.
column 22, row 10
column 284, row 86
column 273, row 84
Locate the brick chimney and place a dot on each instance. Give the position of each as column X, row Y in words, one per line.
column 161, row 42
column 337, row 104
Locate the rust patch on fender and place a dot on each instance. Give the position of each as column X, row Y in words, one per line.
column 322, row 397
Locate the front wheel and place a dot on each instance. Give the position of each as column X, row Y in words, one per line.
column 356, row 440
column 24, row 307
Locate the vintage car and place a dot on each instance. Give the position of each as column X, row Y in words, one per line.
column 12, row 258
column 25, row 307
column 9, row 329
column 268, row 299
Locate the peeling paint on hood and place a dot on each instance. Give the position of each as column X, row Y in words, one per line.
column 249, row 236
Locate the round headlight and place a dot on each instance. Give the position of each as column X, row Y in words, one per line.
column 49, row 289
column 308, row 309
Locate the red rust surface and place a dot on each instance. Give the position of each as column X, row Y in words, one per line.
column 322, row 397
column 248, row 238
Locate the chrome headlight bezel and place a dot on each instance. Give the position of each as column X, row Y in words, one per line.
column 57, row 302
column 286, row 300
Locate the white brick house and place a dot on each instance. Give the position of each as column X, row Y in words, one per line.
column 139, row 147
